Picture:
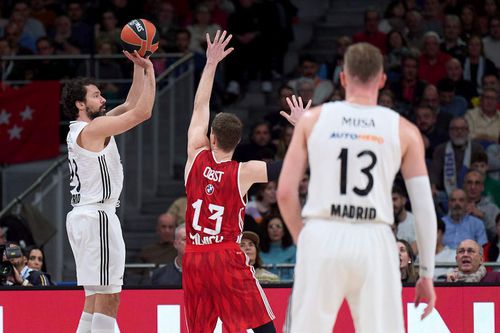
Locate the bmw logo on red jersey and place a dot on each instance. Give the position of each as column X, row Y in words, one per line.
column 209, row 189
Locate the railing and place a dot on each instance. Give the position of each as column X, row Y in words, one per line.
column 284, row 271
column 145, row 151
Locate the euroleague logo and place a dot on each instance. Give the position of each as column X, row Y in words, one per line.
column 209, row 189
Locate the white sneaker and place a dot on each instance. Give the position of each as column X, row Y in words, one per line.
column 233, row 88
column 266, row 86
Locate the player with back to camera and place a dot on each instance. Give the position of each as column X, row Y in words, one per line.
column 217, row 280
column 345, row 248
column 96, row 182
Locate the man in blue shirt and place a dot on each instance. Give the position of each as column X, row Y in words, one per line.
column 459, row 225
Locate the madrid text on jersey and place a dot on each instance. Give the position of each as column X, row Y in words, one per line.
column 353, row 212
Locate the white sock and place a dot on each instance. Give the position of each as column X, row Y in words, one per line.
column 102, row 323
column 85, row 323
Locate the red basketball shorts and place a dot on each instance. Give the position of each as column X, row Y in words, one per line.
column 218, row 282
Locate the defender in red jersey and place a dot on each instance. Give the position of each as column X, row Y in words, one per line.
column 217, row 280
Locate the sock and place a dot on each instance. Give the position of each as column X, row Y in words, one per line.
column 266, row 328
column 85, row 323
column 102, row 323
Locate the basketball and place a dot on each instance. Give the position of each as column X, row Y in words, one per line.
column 140, row 35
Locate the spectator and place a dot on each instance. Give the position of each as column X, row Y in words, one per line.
column 433, row 135
column 371, row 34
column 9, row 69
column 430, row 98
column 309, row 71
column 396, row 50
column 493, row 152
column 32, row 26
column 415, row 25
column 475, row 65
column 64, row 41
column 276, row 121
column 283, row 142
column 218, row 13
column 460, row 225
column 406, row 262
column 452, row 44
column 341, row 45
column 80, row 31
column 250, row 245
column 36, row 259
column 470, row 268
column 40, row 11
column 484, row 121
column 386, row 99
column 451, row 160
column 105, row 68
column 108, row 30
column 19, row 42
column 125, row 10
column 277, row 245
column 479, row 162
column 202, row 25
column 48, row 69
column 433, row 16
column 248, row 24
column 22, row 274
column 470, row 22
column 463, row 87
column 443, row 253
column 432, row 60
column 492, row 42
column 280, row 24
column 449, row 102
column 394, row 17
column 163, row 251
column 182, row 42
column 480, row 206
column 260, row 140
column 264, row 203
column 167, row 24
column 171, row 273
column 409, row 89
column 178, row 210
column 489, row 11
column 403, row 218
column 492, row 249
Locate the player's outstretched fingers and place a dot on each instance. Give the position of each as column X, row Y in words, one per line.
column 216, row 38
column 286, row 116
column 228, row 39
column 221, row 39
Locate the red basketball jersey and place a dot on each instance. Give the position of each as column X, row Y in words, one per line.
column 215, row 210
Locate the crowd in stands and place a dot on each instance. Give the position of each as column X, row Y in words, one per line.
column 442, row 61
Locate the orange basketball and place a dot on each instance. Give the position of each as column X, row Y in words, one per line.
column 140, row 35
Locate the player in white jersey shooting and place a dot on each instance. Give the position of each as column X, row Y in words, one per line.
column 96, row 182
column 345, row 245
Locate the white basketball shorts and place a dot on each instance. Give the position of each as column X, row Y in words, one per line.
column 95, row 235
column 358, row 262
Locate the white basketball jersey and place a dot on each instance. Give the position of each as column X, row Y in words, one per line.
column 95, row 177
column 354, row 155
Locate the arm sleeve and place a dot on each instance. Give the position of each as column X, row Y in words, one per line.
column 419, row 191
column 273, row 170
